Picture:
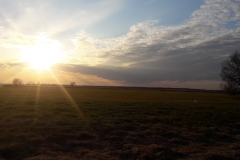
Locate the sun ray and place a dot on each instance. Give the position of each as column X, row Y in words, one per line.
column 74, row 104
column 15, row 76
column 36, row 104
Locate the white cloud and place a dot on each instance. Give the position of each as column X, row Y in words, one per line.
column 204, row 25
column 12, row 39
column 54, row 17
column 214, row 13
column 192, row 50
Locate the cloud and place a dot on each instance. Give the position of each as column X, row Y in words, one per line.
column 13, row 39
column 21, row 22
column 217, row 12
column 150, row 52
column 3, row 65
column 9, row 71
column 11, row 65
column 55, row 17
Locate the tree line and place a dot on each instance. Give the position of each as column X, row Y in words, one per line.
column 19, row 82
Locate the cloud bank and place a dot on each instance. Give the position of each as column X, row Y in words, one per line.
column 150, row 53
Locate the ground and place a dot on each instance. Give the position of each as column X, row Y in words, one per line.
column 117, row 123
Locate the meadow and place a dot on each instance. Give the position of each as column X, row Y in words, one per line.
column 48, row 123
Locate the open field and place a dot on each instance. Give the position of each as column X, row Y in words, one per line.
column 106, row 123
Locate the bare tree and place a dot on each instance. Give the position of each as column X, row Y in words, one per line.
column 17, row 81
column 231, row 74
column 72, row 84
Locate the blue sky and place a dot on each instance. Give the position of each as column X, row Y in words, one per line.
column 155, row 43
column 135, row 12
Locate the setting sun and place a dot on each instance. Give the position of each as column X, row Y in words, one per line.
column 43, row 54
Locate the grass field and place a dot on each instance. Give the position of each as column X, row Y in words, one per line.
column 46, row 123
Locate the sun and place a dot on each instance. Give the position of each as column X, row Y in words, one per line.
column 43, row 54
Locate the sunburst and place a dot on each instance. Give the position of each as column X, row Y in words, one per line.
column 43, row 54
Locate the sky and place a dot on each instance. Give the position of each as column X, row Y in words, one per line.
column 148, row 43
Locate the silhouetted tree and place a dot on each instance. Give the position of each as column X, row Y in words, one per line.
column 17, row 81
column 231, row 74
column 72, row 84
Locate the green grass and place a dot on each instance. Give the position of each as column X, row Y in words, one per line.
column 107, row 123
